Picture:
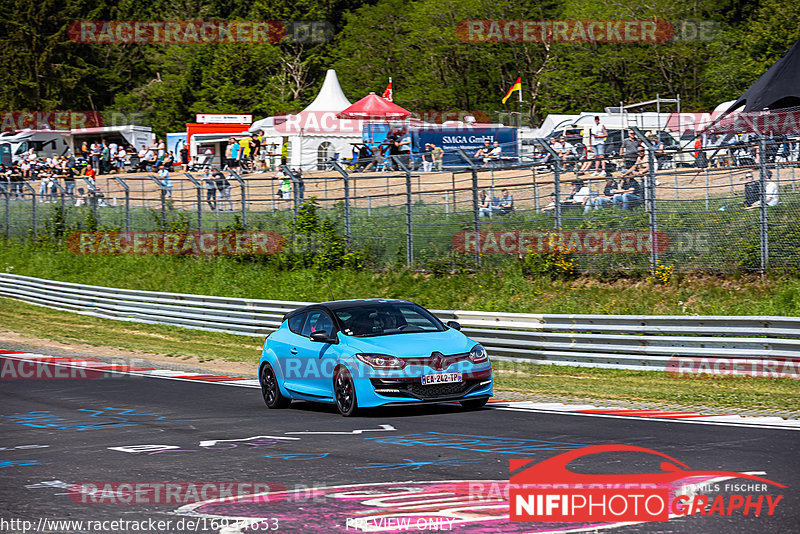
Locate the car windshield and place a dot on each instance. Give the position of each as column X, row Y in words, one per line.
column 386, row 318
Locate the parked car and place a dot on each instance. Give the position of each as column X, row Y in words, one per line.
column 366, row 353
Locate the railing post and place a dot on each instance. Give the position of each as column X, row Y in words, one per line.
column 163, row 189
column 238, row 178
column 33, row 206
column 409, row 211
column 476, row 224
column 199, row 188
column 92, row 187
column 127, row 190
column 762, row 171
column 7, row 196
column 556, row 179
column 346, row 178
column 650, row 194
column 295, row 189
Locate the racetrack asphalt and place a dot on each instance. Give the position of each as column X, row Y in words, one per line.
column 127, row 429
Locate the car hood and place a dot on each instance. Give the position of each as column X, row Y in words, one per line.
column 412, row 344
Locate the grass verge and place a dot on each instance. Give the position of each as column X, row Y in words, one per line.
column 544, row 380
column 72, row 328
column 504, row 288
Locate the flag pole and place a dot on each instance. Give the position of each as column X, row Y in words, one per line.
column 519, row 102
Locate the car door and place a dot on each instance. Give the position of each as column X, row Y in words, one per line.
column 313, row 362
column 284, row 343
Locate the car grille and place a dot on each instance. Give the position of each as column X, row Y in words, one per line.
column 436, row 390
column 412, row 388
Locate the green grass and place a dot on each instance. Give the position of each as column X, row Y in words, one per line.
column 648, row 386
column 504, row 288
column 700, row 237
column 546, row 380
column 71, row 328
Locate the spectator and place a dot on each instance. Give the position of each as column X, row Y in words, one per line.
column 506, row 204
column 69, row 181
column 754, row 194
column 598, row 138
column 577, row 196
column 224, row 192
column 105, row 158
column 232, row 154
column 640, row 166
column 255, row 147
column 99, row 197
column 493, row 156
column 184, row 153
column 163, row 174
column 629, row 194
column 483, row 151
column 436, row 156
column 85, row 149
column 96, row 153
column 211, row 187
column 121, row 155
column 587, row 159
column 607, row 197
column 142, row 154
column 161, row 147
column 427, row 162
column 113, row 148
column 628, row 150
column 80, row 200
column 484, row 204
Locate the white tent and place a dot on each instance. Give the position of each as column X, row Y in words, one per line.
column 315, row 134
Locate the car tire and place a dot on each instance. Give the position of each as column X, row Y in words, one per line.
column 474, row 404
column 270, row 389
column 344, row 392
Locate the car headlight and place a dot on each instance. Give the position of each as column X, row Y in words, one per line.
column 381, row 361
column 478, row 354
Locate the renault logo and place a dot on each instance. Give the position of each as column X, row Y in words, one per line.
column 438, row 361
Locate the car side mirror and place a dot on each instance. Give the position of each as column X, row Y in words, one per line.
column 454, row 325
column 321, row 336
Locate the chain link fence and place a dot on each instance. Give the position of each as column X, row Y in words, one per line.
column 700, row 208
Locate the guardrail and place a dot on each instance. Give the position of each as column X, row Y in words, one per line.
column 610, row 341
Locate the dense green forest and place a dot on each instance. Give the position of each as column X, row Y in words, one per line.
column 414, row 42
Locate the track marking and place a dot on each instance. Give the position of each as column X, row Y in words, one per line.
column 554, row 408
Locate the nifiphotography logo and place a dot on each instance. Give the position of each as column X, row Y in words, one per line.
column 547, row 491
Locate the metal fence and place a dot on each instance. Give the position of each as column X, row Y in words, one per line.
column 609, row 341
column 691, row 212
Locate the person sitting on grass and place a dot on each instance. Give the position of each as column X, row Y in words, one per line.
column 506, row 204
column 754, row 193
column 607, row 197
column 629, row 194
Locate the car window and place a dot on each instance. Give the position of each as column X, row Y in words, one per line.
column 387, row 318
column 296, row 322
column 315, row 322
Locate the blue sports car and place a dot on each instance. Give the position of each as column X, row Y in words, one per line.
column 366, row 353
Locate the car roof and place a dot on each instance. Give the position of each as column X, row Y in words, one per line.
column 334, row 305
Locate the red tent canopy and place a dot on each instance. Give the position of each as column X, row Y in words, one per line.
column 374, row 107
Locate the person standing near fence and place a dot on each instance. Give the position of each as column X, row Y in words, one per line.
column 427, row 161
column 598, row 137
column 436, row 155
column 163, row 174
column 211, row 187
column 628, row 150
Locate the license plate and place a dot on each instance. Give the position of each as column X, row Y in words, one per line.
column 443, row 378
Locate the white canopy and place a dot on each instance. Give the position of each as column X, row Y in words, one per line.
column 315, row 134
